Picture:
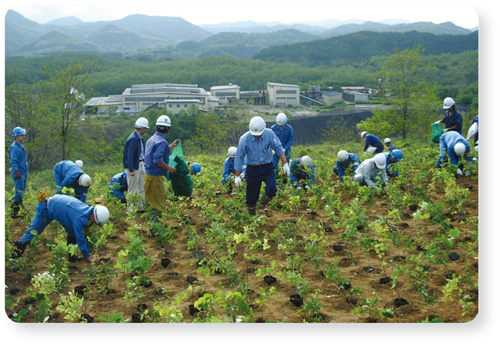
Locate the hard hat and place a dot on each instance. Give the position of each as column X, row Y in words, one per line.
column 363, row 133
column 257, row 126
column 306, row 160
column 79, row 163
column 231, row 152
column 101, row 214
column 397, row 155
column 17, row 131
column 448, row 103
column 380, row 160
column 84, row 180
column 281, row 118
column 196, row 168
column 387, row 140
column 342, row 155
column 459, row 148
column 142, row 122
column 163, row 121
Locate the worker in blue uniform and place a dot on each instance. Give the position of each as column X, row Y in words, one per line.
column 257, row 145
column 284, row 132
column 452, row 119
column 346, row 160
column 72, row 214
column 455, row 146
column 118, row 186
column 393, row 157
column 302, row 169
column 372, row 143
column 19, row 169
column 388, row 144
column 68, row 174
column 229, row 165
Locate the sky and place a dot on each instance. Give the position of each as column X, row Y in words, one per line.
column 285, row 11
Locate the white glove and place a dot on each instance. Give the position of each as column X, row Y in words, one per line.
column 445, row 130
column 286, row 170
column 437, row 122
column 242, row 175
column 237, row 181
column 307, row 187
column 459, row 172
column 299, row 187
column 467, row 173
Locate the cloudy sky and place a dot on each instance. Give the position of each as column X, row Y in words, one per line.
column 285, row 11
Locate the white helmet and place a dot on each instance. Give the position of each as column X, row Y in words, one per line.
column 231, row 152
column 380, row 160
column 448, row 103
column 387, row 140
column 142, row 122
column 281, row 118
column 84, row 180
column 101, row 214
column 163, row 121
column 459, row 148
column 342, row 155
column 363, row 133
column 306, row 160
column 257, row 125
column 79, row 163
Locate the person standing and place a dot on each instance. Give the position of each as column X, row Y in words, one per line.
column 156, row 158
column 133, row 162
column 372, row 171
column 67, row 174
column 284, row 132
column 302, row 169
column 257, row 145
column 452, row 119
column 72, row 214
column 344, row 161
column 372, row 143
column 19, row 169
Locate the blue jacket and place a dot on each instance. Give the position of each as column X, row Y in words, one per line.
column 447, row 144
column 71, row 213
column 299, row 171
column 118, row 185
column 133, row 151
column 229, row 168
column 286, row 137
column 390, row 148
column 352, row 159
column 18, row 159
column 372, row 140
column 66, row 174
column 257, row 152
column 157, row 151
column 389, row 167
column 454, row 120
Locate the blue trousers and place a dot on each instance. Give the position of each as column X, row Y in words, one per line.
column 255, row 176
column 20, row 186
column 40, row 221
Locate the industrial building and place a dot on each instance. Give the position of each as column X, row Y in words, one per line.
column 226, row 94
column 283, row 94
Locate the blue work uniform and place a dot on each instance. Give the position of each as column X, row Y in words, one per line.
column 389, row 166
column 66, row 174
column 447, row 144
column 342, row 166
column 300, row 172
column 157, row 150
column 391, row 147
column 118, row 185
column 286, row 137
column 374, row 141
column 71, row 213
column 452, row 120
column 259, row 155
column 229, row 168
column 18, row 162
column 133, row 152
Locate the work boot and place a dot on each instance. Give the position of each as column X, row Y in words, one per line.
column 19, row 248
column 252, row 210
column 265, row 199
column 262, row 210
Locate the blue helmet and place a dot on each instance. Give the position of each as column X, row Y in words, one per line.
column 397, row 155
column 195, row 168
column 18, row 131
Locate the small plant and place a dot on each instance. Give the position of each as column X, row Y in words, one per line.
column 71, row 306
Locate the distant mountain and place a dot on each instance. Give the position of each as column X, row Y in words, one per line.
column 111, row 38
column 56, row 42
column 66, row 21
column 254, row 27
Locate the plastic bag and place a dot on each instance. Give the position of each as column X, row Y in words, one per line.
column 437, row 131
column 472, row 130
column 181, row 181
